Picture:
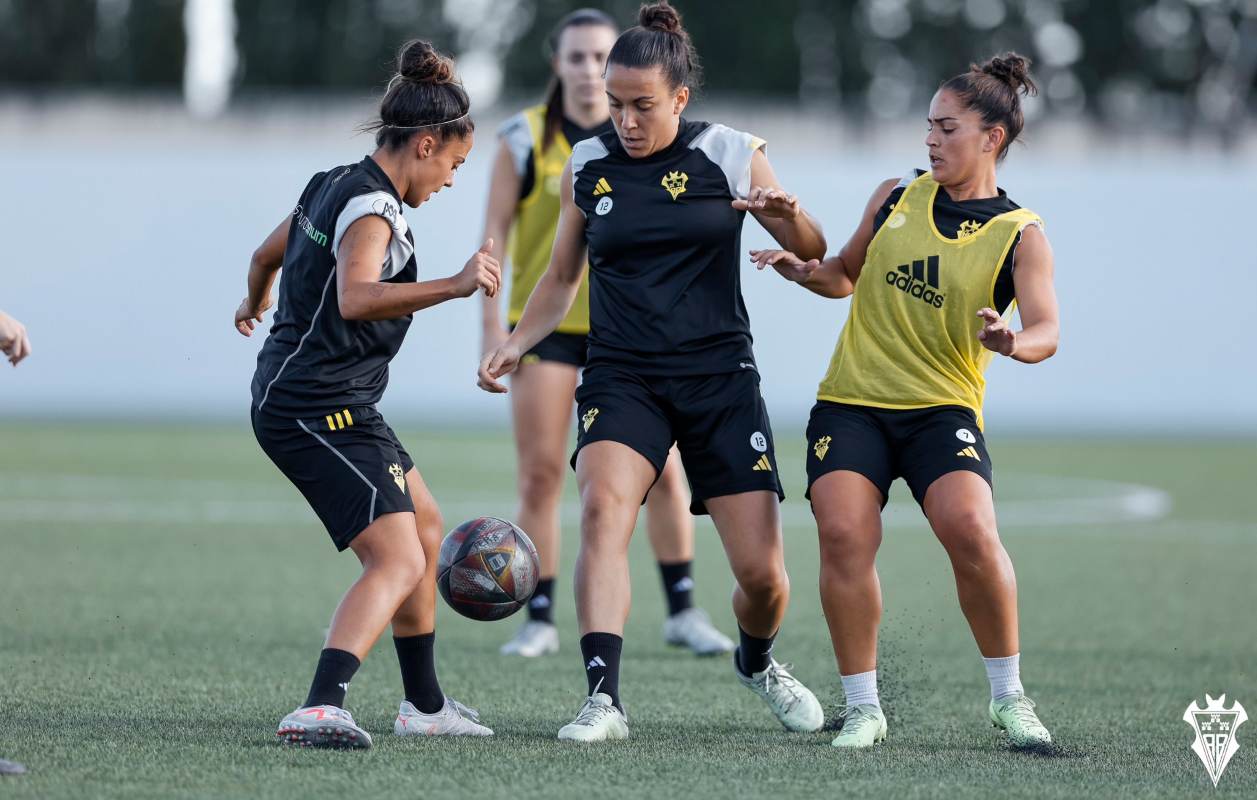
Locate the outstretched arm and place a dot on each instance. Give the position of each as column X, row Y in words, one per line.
column 363, row 296
column 504, row 187
column 263, row 268
column 780, row 213
column 835, row 276
column 552, row 297
column 1036, row 300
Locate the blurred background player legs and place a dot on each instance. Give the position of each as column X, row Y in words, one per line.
column 541, row 427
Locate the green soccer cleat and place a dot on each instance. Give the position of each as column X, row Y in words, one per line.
column 862, row 726
column 1016, row 716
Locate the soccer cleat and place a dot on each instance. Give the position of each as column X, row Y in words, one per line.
column 532, row 639
column 1016, row 716
column 323, row 726
column 11, row 768
column 598, row 721
column 794, row 705
column 692, row 628
column 862, row 726
column 454, row 719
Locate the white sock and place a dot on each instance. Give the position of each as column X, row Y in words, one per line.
column 861, row 689
column 1004, row 675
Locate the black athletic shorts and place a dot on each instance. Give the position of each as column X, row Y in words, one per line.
column 719, row 423
column 919, row 445
column 348, row 465
column 564, row 348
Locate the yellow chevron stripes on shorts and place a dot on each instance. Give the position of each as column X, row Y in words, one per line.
column 969, row 452
column 763, row 465
column 340, row 420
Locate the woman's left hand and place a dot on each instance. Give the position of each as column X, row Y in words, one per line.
column 770, row 203
column 995, row 334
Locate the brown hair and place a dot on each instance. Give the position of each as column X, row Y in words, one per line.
column 581, row 17
column 424, row 94
column 659, row 41
column 992, row 89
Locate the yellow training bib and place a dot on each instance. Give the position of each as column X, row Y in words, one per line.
column 911, row 340
column 536, row 219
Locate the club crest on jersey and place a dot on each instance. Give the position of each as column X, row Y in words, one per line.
column 587, row 421
column 675, row 182
column 968, row 228
column 1215, row 727
column 398, row 477
column 822, row 447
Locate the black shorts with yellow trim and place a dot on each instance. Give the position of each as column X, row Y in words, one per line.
column 348, row 465
column 919, row 445
column 562, row 348
column 718, row 422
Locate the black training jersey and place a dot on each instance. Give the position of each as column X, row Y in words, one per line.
column 665, row 293
column 954, row 217
column 315, row 361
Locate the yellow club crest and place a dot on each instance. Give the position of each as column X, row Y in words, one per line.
column 968, row 228
column 822, row 447
column 675, row 182
column 587, row 421
column 398, row 477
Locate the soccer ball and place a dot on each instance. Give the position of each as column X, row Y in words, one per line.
column 488, row 569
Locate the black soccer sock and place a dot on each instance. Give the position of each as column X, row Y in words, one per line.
column 754, row 654
column 541, row 604
column 416, row 656
column 601, row 652
column 331, row 678
column 677, row 585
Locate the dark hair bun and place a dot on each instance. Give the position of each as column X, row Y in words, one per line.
column 660, row 17
column 420, row 62
column 1012, row 69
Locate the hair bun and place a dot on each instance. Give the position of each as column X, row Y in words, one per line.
column 420, row 62
column 1012, row 69
column 660, row 17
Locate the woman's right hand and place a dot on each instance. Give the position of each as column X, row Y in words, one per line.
column 482, row 271
column 14, row 342
column 495, row 364
column 787, row 264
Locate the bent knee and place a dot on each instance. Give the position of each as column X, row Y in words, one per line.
column 764, row 581
column 846, row 539
column 968, row 533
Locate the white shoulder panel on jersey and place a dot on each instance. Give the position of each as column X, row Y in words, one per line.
column 731, row 150
column 385, row 206
column 585, row 151
column 912, row 175
column 518, row 137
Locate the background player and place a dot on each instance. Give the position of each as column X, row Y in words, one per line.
column 346, row 301
column 524, row 201
column 936, row 266
column 659, row 205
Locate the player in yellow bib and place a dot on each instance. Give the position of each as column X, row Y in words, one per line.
column 524, row 200
column 935, row 268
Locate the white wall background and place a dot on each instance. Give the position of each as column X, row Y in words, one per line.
column 127, row 233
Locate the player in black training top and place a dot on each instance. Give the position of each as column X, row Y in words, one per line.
column 659, row 204
column 346, row 300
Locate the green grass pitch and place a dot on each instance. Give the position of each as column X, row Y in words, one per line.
column 163, row 593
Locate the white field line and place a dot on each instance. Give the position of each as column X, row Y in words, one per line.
column 87, row 499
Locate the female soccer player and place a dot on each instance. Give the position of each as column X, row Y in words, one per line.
column 524, row 199
column 936, row 265
column 346, row 301
column 659, row 205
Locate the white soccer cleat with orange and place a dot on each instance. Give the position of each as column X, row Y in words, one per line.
column 454, row 719
column 323, row 726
